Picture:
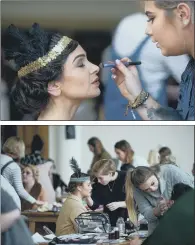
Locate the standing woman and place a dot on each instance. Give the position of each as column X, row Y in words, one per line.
column 127, row 156
column 97, row 148
column 166, row 156
column 14, row 150
column 171, row 26
column 108, row 190
column 151, row 188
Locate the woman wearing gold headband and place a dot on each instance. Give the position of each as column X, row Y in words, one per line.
column 54, row 75
column 79, row 188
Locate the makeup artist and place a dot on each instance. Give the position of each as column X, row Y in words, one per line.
column 108, row 190
column 171, row 26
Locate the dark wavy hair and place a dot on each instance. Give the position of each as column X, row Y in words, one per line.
column 72, row 186
column 22, row 47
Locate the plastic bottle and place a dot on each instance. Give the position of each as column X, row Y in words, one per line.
column 121, row 225
column 117, row 235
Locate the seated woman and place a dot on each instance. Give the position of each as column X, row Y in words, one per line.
column 79, row 188
column 127, row 156
column 151, row 188
column 108, row 190
column 30, row 175
column 54, row 74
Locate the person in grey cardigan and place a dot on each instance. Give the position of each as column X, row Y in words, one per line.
column 150, row 189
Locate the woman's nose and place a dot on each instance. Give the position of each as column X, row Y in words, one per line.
column 148, row 31
column 95, row 68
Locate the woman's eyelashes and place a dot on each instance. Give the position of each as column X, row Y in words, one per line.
column 80, row 63
column 151, row 19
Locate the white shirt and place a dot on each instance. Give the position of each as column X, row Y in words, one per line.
column 139, row 161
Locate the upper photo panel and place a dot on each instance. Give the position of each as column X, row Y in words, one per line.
column 92, row 60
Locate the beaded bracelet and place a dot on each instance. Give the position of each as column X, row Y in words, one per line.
column 143, row 96
column 140, row 99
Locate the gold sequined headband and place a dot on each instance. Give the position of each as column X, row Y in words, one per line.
column 43, row 61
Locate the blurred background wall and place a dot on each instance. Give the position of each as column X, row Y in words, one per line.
column 72, row 15
column 61, row 143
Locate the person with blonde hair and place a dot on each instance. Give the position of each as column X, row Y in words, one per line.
column 14, row 150
column 171, row 27
column 153, row 157
column 127, row 156
column 108, row 190
column 30, row 178
column 14, row 146
column 151, row 189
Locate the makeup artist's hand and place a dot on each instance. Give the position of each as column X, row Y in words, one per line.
column 127, row 79
column 161, row 208
column 113, row 206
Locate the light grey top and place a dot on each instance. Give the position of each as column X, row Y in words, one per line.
column 169, row 176
column 11, row 191
column 13, row 175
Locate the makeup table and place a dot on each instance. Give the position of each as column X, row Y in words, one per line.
column 35, row 217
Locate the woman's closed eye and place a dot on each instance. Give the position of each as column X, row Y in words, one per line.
column 81, row 64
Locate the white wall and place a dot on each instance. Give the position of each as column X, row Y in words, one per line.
column 142, row 138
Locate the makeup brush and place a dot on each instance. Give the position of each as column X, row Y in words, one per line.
column 113, row 65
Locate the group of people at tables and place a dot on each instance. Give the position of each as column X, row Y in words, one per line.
column 122, row 194
column 147, row 190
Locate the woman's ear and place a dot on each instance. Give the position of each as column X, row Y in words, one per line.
column 184, row 13
column 79, row 188
column 54, row 88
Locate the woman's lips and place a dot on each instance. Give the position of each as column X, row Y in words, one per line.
column 96, row 82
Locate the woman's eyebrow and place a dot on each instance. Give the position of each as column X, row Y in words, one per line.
column 78, row 56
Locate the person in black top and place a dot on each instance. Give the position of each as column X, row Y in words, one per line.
column 124, row 152
column 173, row 17
column 108, row 190
column 127, row 156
